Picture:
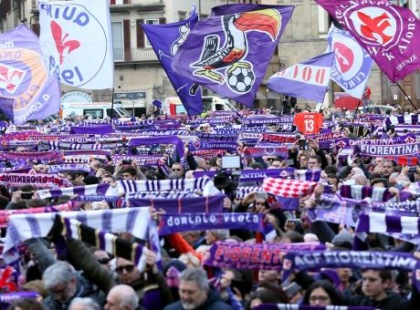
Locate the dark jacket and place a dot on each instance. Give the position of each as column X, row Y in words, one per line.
column 213, row 302
column 391, row 302
column 84, row 289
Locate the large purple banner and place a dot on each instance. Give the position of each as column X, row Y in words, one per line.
column 389, row 33
column 27, row 90
column 229, row 52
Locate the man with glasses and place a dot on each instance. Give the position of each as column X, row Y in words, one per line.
column 178, row 170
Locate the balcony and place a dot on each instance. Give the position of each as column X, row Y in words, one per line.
column 140, row 5
column 123, row 5
column 134, row 55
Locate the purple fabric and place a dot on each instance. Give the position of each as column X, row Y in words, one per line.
column 182, row 205
column 351, row 259
column 210, row 52
column 253, row 256
column 92, row 130
column 308, row 79
column 31, row 93
column 389, row 33
column 160, row 140
column 305, row 307
column 165, row 47
column 173, row 223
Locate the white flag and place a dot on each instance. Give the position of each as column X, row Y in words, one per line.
column 352, row 64
column 76, row 42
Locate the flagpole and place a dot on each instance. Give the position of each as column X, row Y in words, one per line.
column 405, row 94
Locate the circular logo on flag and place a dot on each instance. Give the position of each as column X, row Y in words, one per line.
column 17, row 80
column 75, row 43
column 375, row 25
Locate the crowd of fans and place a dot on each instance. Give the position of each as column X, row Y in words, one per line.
column 67, row 273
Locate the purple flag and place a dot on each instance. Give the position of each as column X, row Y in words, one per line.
column 389, row 33
column 27, row 90
column 308, row 79
column 165, row 47
column 224, row 52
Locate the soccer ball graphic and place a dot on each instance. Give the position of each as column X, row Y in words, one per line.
column 241, row 79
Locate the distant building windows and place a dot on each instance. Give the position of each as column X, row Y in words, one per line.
column 150, row 22
column 118, row 40
column 182, row 15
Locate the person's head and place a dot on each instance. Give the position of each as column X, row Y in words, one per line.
column 103, row 258
column 322, row 293
column 129, row 173
column 193, row 288
column 122, row 297
column 212, row 236
column 344, row 274
column 108, row 179
column 314, row 162
column 387, row 168
column 303, row 161
column 26, row 304
column 269, row 160
column 270, row 276
column 376, row 283
column 86, row 303
column 379, row 182
column 127, row 272
column 275, row 164
column 190, row 260
column 262, row 296
column 60, row 280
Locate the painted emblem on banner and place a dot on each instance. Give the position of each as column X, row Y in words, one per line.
column 68, row 25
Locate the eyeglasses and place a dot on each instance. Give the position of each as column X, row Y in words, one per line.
column 103, row 261
column 320, row 298
column 271, row 159
column 128, row 269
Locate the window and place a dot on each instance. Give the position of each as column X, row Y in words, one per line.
column 182, row 15
column 323, row 21
column 118, row 40
column 150, row 22
column 95, row 113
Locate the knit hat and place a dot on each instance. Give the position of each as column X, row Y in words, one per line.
column 343, row 241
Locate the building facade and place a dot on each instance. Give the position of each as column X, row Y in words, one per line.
column 139, row 78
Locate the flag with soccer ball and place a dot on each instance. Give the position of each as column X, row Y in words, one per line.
column 165, row 48
column 229, row 52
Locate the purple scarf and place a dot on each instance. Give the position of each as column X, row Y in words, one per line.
column 173, row 223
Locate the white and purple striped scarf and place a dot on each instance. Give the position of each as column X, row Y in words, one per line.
column 26, row 226
column 402, row 227
column 107, row 242
column 306, row 307
column 130, row 187
column 85, row 190
column 360, row 192
column 308, row 175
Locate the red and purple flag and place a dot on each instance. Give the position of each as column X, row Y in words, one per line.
column 308, row 79
column 229, row 52
column 389, row 33
column 165, row 47
column 27, row 90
